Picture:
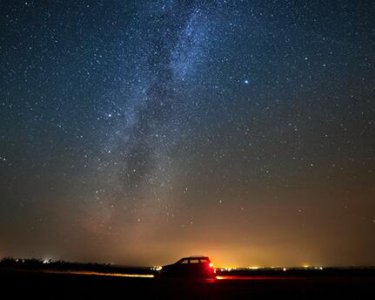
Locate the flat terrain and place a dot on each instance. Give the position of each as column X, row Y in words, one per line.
column 88, row 285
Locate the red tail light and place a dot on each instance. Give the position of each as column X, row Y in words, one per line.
column 211, row 265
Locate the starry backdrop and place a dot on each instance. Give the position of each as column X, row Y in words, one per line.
column 138, row 132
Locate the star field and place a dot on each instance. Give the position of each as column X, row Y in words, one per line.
column 137, row 132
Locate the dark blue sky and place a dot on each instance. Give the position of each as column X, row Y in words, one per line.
column 140, row 131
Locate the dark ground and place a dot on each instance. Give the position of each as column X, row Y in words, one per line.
column 41, row 285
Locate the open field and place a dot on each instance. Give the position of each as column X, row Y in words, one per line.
column 86, row 285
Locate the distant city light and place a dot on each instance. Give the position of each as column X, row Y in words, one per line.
column 228, row 269
column 157, row 268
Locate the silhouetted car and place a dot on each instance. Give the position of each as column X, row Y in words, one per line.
column 189, row 267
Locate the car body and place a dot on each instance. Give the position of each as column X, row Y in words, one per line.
column 189, row 267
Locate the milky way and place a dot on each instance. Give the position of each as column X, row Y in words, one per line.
column 137, row 132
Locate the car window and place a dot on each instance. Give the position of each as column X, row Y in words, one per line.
column 204, row 260
column 194, row 261
column 183, row 261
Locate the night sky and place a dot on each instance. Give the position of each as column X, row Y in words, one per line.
column 139, row 132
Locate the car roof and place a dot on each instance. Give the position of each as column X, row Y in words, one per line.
column 196, row 257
